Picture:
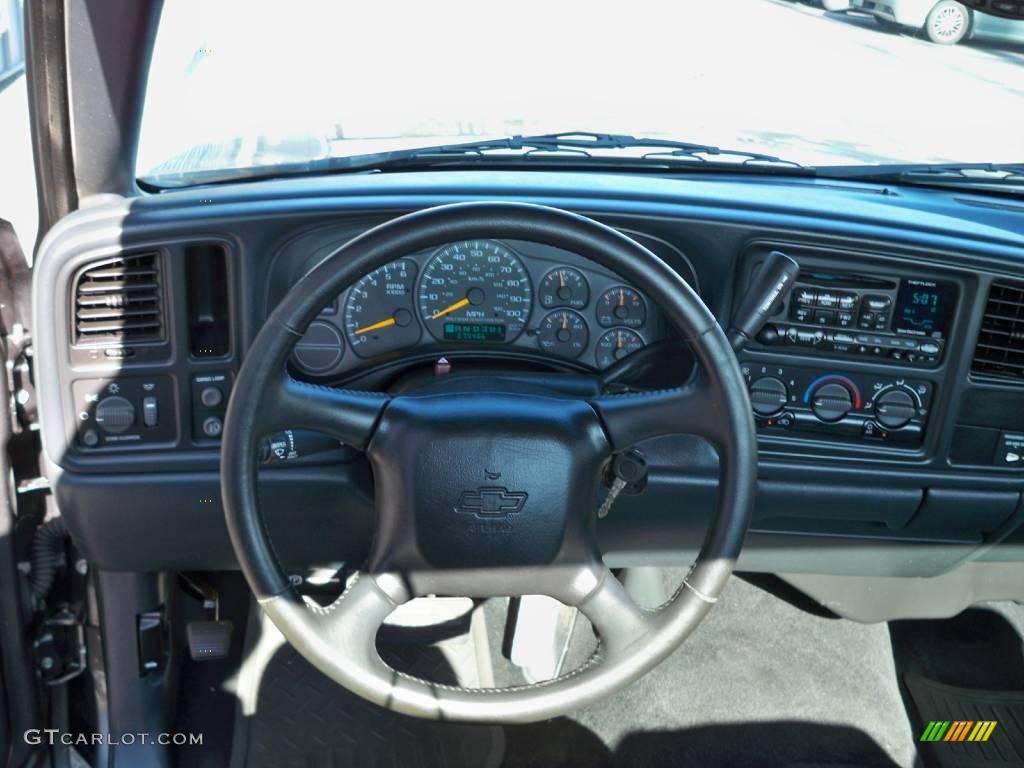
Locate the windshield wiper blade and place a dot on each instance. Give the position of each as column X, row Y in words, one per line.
column 576, row 143
column 931, row 173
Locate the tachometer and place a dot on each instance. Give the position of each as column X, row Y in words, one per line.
column 475, row 290
column 379, row 315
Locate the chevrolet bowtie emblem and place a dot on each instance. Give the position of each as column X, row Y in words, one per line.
column 491, row 501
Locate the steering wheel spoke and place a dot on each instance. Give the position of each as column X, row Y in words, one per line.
column 693, row 409
column 619, row 621
column 349, row 415
column 341, row 637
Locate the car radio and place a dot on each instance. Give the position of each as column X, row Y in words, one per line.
column 904, row 321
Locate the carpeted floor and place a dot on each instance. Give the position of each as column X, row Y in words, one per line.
column 760, row 683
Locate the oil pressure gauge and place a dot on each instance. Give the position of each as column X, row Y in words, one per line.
column 563, row 332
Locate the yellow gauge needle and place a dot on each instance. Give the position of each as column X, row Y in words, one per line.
column 565, row 321
column 457, row 305
column 375, row 326
column 622, row 298
column 561, row 279
column 618, row 340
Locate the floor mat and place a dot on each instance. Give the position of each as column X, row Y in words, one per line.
column 291, row 715
column 946, row 703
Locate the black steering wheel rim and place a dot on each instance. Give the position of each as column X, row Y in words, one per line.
column 723, row 415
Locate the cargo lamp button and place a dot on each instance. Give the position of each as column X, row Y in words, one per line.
column 211, row 396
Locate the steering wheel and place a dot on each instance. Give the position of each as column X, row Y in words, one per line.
column 491, row 491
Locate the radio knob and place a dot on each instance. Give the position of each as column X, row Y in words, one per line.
column 115, row 414
column 768, row 396
column 831, row 402
column 894, row 409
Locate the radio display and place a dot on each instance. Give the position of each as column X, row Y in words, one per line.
column 474, row 332
column 924, row 307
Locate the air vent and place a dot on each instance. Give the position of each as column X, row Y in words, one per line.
column 1000, row 350
column 118, row 301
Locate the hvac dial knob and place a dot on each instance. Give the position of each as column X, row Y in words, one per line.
column 115, row 414
column 831, row 402
column 895, row 408
column 768, row 396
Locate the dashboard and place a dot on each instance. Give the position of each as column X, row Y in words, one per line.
column 480, row 298
column 888, row 391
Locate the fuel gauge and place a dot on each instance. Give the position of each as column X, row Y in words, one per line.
column 564, row 287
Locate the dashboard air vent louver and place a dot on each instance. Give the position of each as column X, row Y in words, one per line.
column 118, row 301
column 1000, row 350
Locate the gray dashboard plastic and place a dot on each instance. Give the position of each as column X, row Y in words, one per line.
column 134, row 510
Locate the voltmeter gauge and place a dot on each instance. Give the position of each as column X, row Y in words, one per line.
column 621, row 305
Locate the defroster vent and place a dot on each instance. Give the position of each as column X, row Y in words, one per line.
column 1000, row 349
column 118, row 301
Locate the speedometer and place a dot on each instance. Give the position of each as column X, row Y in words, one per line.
column 475, row 290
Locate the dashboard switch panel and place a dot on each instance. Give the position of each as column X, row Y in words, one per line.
column 209, row 402
column 124, row 412
column 834, row 405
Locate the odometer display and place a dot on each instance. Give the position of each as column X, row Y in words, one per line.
column 474, row 332
column 478, row 283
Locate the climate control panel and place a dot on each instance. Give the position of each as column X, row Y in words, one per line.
column 839, row 405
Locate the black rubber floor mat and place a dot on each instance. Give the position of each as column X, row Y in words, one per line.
column 938, row 704
column 302, row 719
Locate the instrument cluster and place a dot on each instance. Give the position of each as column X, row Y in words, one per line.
column 481, row 296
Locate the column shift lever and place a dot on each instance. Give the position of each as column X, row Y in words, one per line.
column 769, row 287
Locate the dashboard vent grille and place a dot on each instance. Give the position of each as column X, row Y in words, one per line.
column 118, row 301
column 1000, row 350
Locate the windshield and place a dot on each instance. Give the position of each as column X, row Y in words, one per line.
column 236, row 85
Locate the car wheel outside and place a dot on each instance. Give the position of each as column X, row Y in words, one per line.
column 947, row 23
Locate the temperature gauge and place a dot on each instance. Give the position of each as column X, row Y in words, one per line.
column 564, row 287
column 563, row 332
column 621, row 305
column 617, row 344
